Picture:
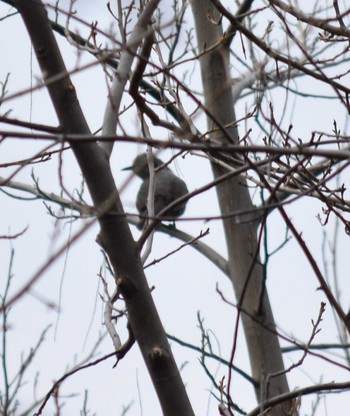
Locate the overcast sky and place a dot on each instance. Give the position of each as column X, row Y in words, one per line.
column 184, row 284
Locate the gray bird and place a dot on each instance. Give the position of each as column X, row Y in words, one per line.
column 167, row 188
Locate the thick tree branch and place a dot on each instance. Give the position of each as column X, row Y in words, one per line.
column 122, row 74
column 115, row 233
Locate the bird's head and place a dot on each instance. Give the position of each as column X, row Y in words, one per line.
column 140, row 165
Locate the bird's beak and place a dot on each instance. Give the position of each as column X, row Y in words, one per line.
column 128, row 168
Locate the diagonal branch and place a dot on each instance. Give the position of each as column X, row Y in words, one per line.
column 115, row 233
column 121, row 77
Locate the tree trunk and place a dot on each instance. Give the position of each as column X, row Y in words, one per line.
column 246, row 270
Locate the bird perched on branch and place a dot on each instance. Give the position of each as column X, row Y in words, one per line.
column 167, row 188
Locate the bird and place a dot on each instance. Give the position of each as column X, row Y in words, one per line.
column 167, row 188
